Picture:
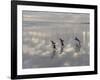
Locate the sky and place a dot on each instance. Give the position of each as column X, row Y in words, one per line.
column 40, row 28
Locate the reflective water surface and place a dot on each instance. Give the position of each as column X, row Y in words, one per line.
column 55, row 39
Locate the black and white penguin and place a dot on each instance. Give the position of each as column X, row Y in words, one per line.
column 77, row 44
column 62, row 45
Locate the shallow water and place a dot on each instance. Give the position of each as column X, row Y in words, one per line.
column 41, row 27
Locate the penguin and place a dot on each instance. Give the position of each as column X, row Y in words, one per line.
column 54, row 48
column 53, row 44
column 62, row 45
column 77, row 44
